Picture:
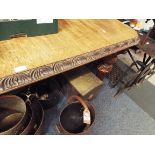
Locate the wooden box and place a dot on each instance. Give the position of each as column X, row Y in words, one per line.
column 83, row 83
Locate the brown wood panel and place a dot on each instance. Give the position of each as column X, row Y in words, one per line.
column 78, row 42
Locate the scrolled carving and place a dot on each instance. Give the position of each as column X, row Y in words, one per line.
column 13, row 81
column 22, row 79
column 40, row 72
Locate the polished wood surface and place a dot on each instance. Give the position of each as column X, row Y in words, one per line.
column 75, row 37
column 78, row 42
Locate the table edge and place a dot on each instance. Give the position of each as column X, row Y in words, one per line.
column 25, row 78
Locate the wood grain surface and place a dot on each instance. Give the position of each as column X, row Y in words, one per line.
column 75, row 38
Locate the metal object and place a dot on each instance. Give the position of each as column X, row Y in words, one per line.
column 16, row 104
column 145, row 68
column 39, row 120
column 29, row 127
column 146, row 71
column 72, row 117
column 134, row 62
column 48, row 93
column 9, row 121
column 35, row 124
column 114, row 76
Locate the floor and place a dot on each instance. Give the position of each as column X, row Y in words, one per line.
column 143, row 94
column 114, row 116
column 120, row 115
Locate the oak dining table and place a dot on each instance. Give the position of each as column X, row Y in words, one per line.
column 26, row 60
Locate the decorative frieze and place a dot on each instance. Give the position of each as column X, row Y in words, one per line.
column 27, row 77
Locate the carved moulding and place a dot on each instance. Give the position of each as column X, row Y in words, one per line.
column 31, row 76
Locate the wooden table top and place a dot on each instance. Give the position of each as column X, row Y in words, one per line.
column 78, row 42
